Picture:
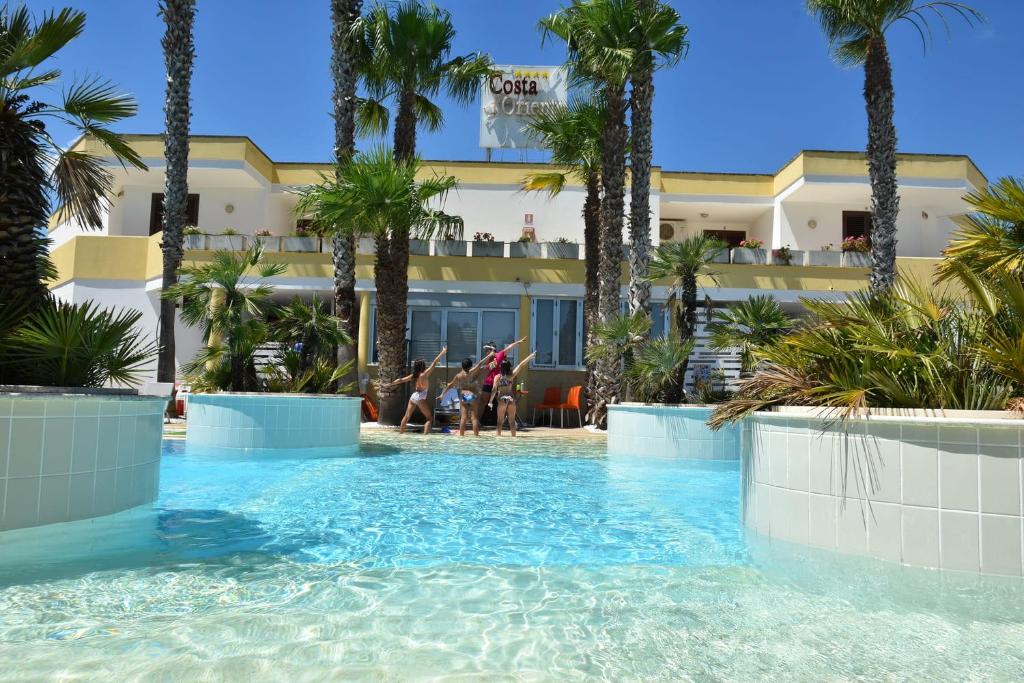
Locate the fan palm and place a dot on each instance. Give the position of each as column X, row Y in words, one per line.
column 749, row 326
column 33, row 167
column 659, row 41
column 573, row 136
column 377, row 195
column 310, row 328
column 222, row 298
column 990, row 240
column 344, row 56
column 404, row 57
column 179, row 53
column 657, row 370
column 856, row 31
column 614, row 341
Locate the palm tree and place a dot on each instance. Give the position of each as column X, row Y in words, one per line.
column 657, row 370
column 749, row 326
column 573, row 136
column 231, row 309
column 681, row 263
column 33, row 167
column 659, row 41
column 377, row 195
column 310, row 330
column 990, row 240
column 179, row 53
column 614, row 342
column 405, row 58
column 344, row 15
column 856, row 32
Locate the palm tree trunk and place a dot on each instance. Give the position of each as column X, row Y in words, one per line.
column 343, row 253
column 179, row 53
column 608, row 374
column 687, row 320
column 885, row 200
column 23, row 209
column 391, row 277
column 641, row 154
column 592, row 282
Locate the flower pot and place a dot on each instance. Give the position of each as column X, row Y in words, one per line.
column 225, row 242
column 824, row 258
column 269, row 242
column 300, row 244
column 524, row 250
column 194, row 242
column 562, row 250
column 797, row 259
column 856, row 259
column 721, row 257
column 450, row 248
column 419, row 247
column 488, row 248
column 749, row 256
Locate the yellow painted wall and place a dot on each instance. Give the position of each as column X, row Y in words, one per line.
column 104, row 257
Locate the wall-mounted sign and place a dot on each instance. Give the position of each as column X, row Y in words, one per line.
column 513, row 94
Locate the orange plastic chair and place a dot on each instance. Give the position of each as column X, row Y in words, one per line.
column 369, row 410
column 575, row 402
column 552, row 402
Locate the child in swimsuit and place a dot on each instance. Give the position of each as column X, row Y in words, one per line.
column 504, row 392
column 420, row 378
column 465, row 383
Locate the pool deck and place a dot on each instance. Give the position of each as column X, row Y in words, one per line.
column 176, row 430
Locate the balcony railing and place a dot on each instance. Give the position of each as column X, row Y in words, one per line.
column 539, row 250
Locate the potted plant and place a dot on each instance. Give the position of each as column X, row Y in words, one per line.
column 751, row 252
column 448, row 245
column 563, row 248
column 827, row 256
column 193, row 238
column 267, row 239
column 302, row 239
column 856, row 252
column 784, row 256
column 484, row 245
column 228, row 240
column 418, row 247
column 524, row 248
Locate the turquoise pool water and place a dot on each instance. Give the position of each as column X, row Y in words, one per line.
column 438, row 557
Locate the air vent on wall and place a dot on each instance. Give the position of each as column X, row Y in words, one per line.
column 666, row 231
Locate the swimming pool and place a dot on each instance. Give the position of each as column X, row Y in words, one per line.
column 440, row 556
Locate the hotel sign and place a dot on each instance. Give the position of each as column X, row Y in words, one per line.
column 514, row 94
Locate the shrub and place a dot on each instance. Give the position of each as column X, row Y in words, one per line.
column 857, row 244
column 483, row 237
column 752, row 244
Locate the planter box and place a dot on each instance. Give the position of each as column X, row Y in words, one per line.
column 194, row 241
column 721, row 257
column 563, row 251
column 307, row 244
column 797, row 259
column 419, row 247
column 225, row 242
column 492, row 249
column 856, row 259
column 524, row 250
column 824, row 258
column 758, row 257
column 450, row 248
column 368, row 245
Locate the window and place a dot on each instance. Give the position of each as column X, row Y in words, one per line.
column 464, row 330
column 156, row 212
column 558, row 333
column 730, row 237
column 659, row 320
column 856, row 224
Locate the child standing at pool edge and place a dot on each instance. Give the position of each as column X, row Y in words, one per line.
column 420, row 378
column 505, row 392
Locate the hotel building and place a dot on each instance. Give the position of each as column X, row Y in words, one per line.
column 466, row 293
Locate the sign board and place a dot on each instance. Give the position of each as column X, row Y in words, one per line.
column 514, row 94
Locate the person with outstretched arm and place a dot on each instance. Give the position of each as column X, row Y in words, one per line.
column 505, row 392
column 465, row 383
column 420, row 378
column 495, row 369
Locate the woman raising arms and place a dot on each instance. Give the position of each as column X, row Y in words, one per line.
column 420, row 378
column 505, row 394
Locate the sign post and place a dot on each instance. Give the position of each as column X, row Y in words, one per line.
column 511, row 96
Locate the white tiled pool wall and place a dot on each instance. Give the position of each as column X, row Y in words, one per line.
column 245, row 421
column 65, row 458
column 922, row 492
column 671, row 431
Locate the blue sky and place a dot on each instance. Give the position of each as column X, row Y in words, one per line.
column 757, row 86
